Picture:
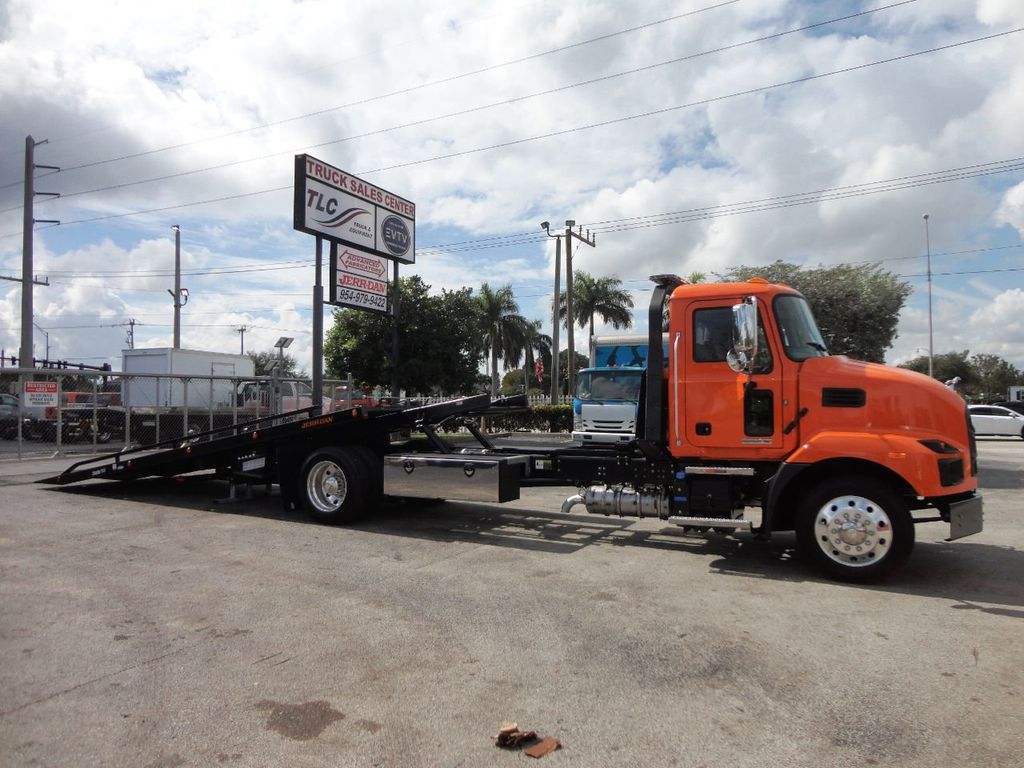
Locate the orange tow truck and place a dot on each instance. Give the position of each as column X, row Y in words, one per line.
column 751, row 411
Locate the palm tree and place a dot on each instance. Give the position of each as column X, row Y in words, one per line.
column 504, row 328
column 592, row 296
column 533, row 341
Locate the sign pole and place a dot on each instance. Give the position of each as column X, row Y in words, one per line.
column 394, row 336
column 318, row 326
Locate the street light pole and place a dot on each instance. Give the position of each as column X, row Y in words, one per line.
column 928, row 253
column 47, row 335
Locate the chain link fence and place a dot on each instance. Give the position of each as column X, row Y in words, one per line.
column 46, row 412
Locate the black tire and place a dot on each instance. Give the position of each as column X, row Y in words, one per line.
column 335, row 486
column 374, row 466
column 854, row 528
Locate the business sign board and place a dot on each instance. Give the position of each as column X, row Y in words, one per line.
column 337, row 206
column 42, row 394
column 359, row 279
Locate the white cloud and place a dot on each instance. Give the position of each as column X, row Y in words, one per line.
column 111, row 84
column 1011, row 208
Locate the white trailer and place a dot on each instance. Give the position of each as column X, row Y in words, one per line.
column 170, row 390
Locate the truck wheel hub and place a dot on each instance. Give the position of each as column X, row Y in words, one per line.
column 326, row 486
column 853, row 530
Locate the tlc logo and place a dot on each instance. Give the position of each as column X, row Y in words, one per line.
column 325, row 204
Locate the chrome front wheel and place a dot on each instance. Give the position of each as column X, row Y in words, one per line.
column 855, row 528
column 853, row 531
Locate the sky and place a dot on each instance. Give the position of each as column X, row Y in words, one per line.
column 689, row 136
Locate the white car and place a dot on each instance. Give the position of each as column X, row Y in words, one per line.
column 996, row 420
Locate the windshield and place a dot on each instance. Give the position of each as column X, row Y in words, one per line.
column 800, row 335
column 608, row 385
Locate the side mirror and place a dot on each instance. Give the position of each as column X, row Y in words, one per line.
column 744, row 336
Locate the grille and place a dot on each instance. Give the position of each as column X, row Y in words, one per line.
column 608, row 425
column 951, row 472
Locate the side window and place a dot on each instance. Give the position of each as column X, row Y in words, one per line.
column 764, row 351
column 712, row 338
column 712, row 334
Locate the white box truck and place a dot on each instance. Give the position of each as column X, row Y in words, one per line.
column 170, row 390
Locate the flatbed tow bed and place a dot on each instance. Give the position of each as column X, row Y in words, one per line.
column 324, row 462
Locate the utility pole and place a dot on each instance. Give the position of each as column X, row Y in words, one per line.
column 27, row 244
column 241, row 330
column 588, row 240
column 928, row 252
column 130, row 337
column 556, row 381
column 176, row 295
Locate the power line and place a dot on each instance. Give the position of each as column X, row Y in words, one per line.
column 965, row 272
column 470, row 110
column 641, row 281
column 274, row 266
column 701, row 102
column 603, row 123
column 411, row 89
column 653, row 220
column 167, row 325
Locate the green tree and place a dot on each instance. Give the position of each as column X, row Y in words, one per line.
column 947, row 366
column 857, row 306
column 579, row 362
column 262, row 360
column 535, row 345
column 995, row 376
column 439, row 347
column 512, row 382
column 694, row 277
column 504, row 329
column 593, row 296
column 983, row 377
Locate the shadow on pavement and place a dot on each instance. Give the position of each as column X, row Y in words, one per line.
column 969, row 573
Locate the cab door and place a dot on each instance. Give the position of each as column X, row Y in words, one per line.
column 725, row 414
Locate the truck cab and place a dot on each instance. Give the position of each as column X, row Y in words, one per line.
column 257, row 397
column 606, row 396
column 753, row 411
column 604, row 405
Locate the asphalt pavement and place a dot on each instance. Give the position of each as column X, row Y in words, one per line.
column 149, row 625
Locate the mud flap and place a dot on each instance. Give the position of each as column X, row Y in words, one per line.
column 965, row 518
